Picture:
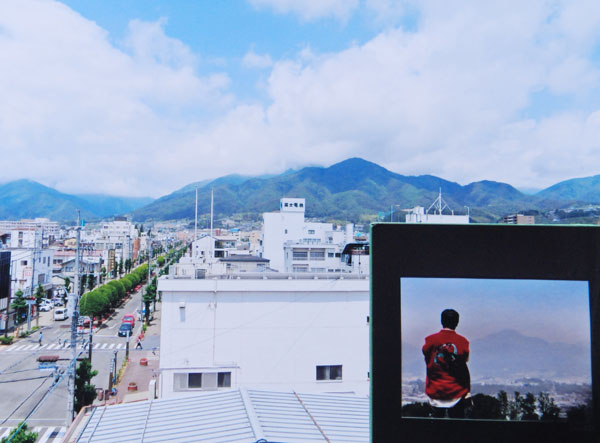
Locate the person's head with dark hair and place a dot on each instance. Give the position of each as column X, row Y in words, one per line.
column 449, row 318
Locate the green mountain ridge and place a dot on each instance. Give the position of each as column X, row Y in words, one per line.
column 354, row 190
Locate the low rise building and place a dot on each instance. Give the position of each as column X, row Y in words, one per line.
column 309, row 333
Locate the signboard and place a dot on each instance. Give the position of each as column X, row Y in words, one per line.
column 47, row 366
column 30, row 301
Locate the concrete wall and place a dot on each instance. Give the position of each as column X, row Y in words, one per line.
column 269, row 334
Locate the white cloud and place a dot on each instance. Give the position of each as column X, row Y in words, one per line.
column 447, row 99
column 253, row 60
column 310, row 9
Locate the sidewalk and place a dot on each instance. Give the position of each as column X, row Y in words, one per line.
column 137, row 373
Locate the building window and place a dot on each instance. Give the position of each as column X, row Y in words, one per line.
column 301, row 205
column 331, row 372
column 311, row 231
column 195, row 380
column 330, row 254
column 201, row 380
column 317, row 254
column 300, row 254
column 23, row 262
column 285, row 231
column 224, row 380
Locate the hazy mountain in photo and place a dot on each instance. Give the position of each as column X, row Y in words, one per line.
column 509, row 355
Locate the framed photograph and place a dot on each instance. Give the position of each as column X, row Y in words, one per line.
column 519, row 362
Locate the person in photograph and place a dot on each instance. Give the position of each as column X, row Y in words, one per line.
column 448, row 382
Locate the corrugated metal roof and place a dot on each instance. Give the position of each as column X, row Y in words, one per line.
column 233, row 416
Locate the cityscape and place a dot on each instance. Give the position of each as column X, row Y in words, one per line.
column 189, row 202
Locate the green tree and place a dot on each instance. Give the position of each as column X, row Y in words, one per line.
column 485, row 407
column 149, row 297
column 128, row 265
column 115, row 269
column 527, row 407
column 39, row 295
column 20, row 306
column 68, row 284
column 82, row 283
column 91, row 281
column 121, row 266
column 160, row 260
column 20, row 435
column 505, row 406
column 85, row 392
column 102, row 274
column 547, row 407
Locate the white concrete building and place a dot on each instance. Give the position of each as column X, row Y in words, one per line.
column 50, row 229
column 435, row 214
column 294, row 245
column 23, row 268
column 274, row 331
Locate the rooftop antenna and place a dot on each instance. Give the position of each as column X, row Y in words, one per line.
column 439, row 205
column 212, row 241
column 196, row 220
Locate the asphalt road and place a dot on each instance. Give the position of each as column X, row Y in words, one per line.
column 24, row 386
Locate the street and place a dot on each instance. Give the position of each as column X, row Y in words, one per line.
column 24, row 385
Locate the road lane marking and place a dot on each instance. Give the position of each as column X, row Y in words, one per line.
column 104, row 345
column 46, row 436
column 112, row 345
column 52, row 346
column 97, row 345
column 6, row 433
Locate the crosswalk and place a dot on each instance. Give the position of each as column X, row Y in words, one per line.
column 45, row 433
column 57, row 347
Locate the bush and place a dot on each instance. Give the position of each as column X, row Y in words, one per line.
column 7, row 340
column 20, row 435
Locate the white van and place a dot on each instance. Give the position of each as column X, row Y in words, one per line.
column 60, row 314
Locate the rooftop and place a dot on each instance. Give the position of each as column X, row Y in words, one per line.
column 236, row 415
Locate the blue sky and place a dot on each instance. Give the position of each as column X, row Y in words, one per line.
column 142, row 97
column 556, row 311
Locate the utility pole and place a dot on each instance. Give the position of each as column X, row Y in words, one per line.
column 31, row 296
column 74, row 311
column 196, row 220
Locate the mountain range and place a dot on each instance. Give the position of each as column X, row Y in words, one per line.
column 28, row 199
column 508, row 354
column 352, row 190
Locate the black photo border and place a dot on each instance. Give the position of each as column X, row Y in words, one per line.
column 533, row 252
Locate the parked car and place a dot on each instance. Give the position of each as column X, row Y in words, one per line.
column 47, row 301
column 84, row 321
column 129, row 318
column 45, row 308
column 125, row 330
column 58, row 302
column 60, row 314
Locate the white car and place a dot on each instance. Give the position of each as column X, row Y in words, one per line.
column 45, row 308
column 60, row 314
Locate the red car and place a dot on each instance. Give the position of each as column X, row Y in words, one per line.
column 129, row 318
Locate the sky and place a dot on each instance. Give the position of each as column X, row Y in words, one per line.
column 142, row 97
column 555, row 311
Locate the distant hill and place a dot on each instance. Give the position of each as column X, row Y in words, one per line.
column 586, row 189
column 509, row 354
column 354, row 189
column 29, row 199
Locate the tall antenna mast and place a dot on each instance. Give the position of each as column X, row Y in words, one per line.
column 196, row 222
column 212, row 241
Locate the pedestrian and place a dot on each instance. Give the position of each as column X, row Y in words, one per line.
column 138, row 344
column 448, row 382
column 40, row 339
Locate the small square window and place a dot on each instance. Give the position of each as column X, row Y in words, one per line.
column 224, row 380
column 331, row 372
column 195, row 380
